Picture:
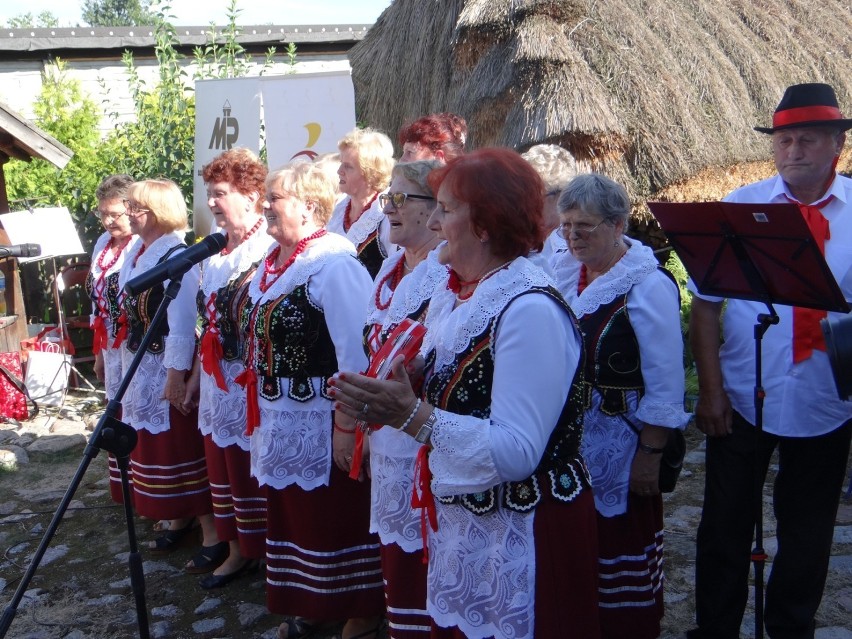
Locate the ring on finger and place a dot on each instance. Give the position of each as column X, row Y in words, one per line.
column 365, row 408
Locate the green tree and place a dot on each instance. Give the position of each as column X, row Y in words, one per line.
column 117, row 13
column 45, row 19
column 63, row 111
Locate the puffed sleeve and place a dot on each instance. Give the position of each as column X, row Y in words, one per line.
column 536, row 352
column 341, row 288
column 654, row 312
column 182, row 316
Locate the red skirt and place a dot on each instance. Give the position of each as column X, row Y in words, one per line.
column 631, row 569
column 169, row 471
column 566, row 578
column 239, row 503
column 321, row 560
column 115, row 480
column 405, row 593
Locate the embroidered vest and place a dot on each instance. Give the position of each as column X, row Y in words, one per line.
column 291, row 341
column 140, row 311
column 371, row 253
column 464, row 387
column 112, row 294
column 230, row 302
column 614, row 363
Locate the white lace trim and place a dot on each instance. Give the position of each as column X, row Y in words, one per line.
column 482, row 572
column 392, row 458
column 293, row 443
column 222, row 414
column 633, row 268
column 369, row 221
column 179, row 352
column 451, row 330
column 461, row 441
column 143, row 405
column 218, row 269
column 112, row 367
column 417, row 287
column 320, row 251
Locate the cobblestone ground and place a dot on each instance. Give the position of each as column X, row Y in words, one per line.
column 82, row 589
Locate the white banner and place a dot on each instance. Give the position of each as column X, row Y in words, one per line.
column 227, row 115
column 306, row 114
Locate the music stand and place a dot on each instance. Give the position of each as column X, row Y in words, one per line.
column 759, row 252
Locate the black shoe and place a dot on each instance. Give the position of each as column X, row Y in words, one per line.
column 212, row 581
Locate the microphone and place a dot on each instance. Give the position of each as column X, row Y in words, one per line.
column 20, row 250
column 177, row 266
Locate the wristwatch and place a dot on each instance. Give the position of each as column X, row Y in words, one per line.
column 425, row 431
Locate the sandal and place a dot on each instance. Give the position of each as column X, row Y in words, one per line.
column 297, row 628
column 161, row 526
column 170, row 540
column 209, row 558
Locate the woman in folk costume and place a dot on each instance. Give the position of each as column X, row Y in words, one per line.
column 102, row 285
column 304, row 317
column 629, row 313
column 402, row 290
column 366, row 160
column 511, row 540
column 235, row 183
column 169, row 470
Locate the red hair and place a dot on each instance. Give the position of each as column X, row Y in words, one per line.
column 445, row 132
column 241, row 169
column 505, row 197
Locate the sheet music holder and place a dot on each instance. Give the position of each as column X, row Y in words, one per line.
column 760, row 252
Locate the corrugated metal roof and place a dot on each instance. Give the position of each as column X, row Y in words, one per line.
column 106, row 38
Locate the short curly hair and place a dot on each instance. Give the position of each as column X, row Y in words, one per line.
column 445, row 132
column 114, row 187
column 375, row 155
column 309, row 183
column 555, row 165
column 241, row 169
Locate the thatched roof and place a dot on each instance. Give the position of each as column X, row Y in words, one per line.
column 649, row 91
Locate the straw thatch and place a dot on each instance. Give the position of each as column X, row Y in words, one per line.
column 651, row 92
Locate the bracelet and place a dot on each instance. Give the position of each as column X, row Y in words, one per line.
column 343, row 430
column 412, row 414
column 649, row 450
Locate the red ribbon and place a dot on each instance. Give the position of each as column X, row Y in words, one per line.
column 99, row 338
column 789, row 117
column 807, row 334
column 425, row 500
column 211, row 356
column 357, row 454
column 248, row 380
column 121, row 335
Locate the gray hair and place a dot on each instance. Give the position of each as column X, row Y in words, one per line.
column 596, row 193
column 114, row 187
column 417, row 172
column 554, row 165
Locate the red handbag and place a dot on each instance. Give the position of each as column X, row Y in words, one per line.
column 13, row 392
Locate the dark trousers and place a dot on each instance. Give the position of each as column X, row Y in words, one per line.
column 805, row 499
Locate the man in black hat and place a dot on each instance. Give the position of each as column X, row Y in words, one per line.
column 803, row 415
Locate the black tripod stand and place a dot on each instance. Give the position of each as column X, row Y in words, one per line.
column 119, row 439
column 760, row 252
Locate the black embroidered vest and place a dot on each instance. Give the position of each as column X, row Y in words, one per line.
column 464, row 387
column 141, row 310
column 371, row 253
column 291, row 341
column 613, row 366
column 111, row 292
column 230, row 302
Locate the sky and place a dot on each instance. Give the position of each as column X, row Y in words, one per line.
column 196, row 12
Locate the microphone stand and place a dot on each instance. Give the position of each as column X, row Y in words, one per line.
column 118, row 438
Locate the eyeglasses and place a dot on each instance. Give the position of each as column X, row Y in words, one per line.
column 106, row 215
column 582, row 231
column 133, row 207
column 397, row 200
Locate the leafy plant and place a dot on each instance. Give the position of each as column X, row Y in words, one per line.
column 117, row 13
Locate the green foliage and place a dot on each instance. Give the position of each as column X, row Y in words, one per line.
column 118, row 13
column 72, row 118
column 160, row 142
column 45, row 19
column 677, row 269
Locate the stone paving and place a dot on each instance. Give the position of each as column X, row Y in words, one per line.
column 238, row 611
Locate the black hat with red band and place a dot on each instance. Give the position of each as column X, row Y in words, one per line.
column 813, row 104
